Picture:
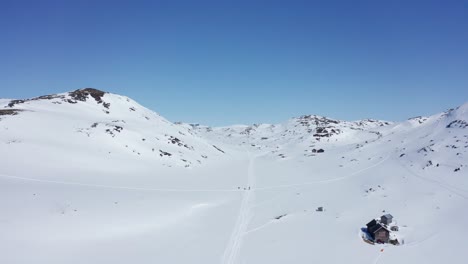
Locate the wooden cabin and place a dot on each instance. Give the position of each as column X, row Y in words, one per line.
column 381, row 235
column 378, row 232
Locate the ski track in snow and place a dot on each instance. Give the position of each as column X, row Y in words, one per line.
column 378, row 258
column 258, row 228
column 455, row 190
column 208, row 190
column 416, row 243
column 231, row 253
column 323, row 181
column 116, row 187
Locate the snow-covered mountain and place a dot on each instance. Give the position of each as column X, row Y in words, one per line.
column 88, row 127
column 442, row 136
column 304, row 129
column 94, row 177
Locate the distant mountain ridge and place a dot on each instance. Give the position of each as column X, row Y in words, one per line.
column 142, row 132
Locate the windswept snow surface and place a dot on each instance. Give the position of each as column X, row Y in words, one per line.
column 87, row 177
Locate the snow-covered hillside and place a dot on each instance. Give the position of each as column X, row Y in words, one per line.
column 84, row 128
column 94, row 177
column 309, row 131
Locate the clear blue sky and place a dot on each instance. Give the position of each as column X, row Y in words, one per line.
column 225, row 62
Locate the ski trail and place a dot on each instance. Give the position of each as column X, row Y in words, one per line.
column 381, row 252
column 378, row 258
column 115, row 187
column 258, row 227
column 231, row 253
column 323, row 181
column 457, row 191
column 415, row 243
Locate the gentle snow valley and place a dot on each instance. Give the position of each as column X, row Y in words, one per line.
column 94, row 177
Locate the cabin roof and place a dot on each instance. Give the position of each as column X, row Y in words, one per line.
column 380, row 227
column 374, row 226
column 371, row 223
column 388, row 216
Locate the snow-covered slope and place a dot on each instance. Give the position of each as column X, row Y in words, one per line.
column 86, row 177
column 308, row 132
column 87, row 128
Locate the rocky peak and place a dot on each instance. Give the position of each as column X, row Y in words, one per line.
column 82, row 95
column 72, row 97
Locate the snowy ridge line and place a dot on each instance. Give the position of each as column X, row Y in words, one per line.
column 323, row 181
column 118, row 187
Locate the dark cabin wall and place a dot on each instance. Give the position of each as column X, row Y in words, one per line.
column 382, row 235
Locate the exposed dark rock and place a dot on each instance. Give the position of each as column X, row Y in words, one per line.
column 419, row 119
column 321, row 130
column 113, row 129
column 308, row 120
column 82, row 95
column 425, row 149
column 15, row 102
column 220, row 150
column 9, row 111
column 457, row 124
column 280, row 216
column 178, row 142
column 175, row 140
column 326, row 131
column 77, row 95
column 44, row 97
column 247, row 131
column 164, row 153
